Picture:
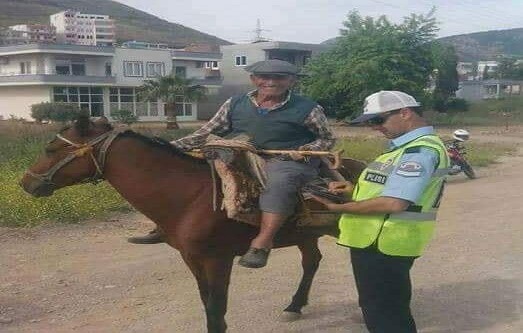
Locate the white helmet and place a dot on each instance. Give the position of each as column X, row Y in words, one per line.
column 461, row 135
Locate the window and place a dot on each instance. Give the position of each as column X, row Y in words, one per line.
column 241, row 60
column 155, row 69
column 211, row 64
column 182, row 107
column 25, row 67
column 62, row 68
column 108, row 69
column 127, row 99
column 180, row 71
column 200, row 64
column 89, row 98
column 133, row 68
column 78, row 69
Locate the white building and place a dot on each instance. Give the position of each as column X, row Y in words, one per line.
column 73, row 27
column 100, row 79
column 35, row 33
column 486, row 67
column 465, row 71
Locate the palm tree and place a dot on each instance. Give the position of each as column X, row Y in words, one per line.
column 168, row 88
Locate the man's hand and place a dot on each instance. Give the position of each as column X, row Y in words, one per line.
column 341, row 187
column 296, row 156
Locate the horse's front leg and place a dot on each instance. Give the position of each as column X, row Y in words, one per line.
column 311, row 257
column 217, row 277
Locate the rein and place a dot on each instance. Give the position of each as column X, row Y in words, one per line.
column 81, row 150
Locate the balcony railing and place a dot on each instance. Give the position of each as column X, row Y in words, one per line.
column 55, row 78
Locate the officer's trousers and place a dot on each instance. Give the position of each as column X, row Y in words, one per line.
column 384, row 290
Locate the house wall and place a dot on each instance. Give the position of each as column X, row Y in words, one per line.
column 192, row 72
column 13, row 65
column 18, row 100
column 236, row 75
column 45, row 63
column 141, row 55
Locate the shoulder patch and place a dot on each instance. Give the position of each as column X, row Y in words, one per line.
column 410, row 169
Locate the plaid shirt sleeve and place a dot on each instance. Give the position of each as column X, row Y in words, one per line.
column 317, row 123
column 218, row 125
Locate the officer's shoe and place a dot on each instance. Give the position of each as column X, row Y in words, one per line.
column 156, row 236
column 255, row 258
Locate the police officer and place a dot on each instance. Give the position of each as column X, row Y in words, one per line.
column 392, row 214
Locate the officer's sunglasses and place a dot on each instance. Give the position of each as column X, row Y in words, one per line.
column 381, row 119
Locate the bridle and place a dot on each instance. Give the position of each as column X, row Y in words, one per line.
column 81, row 150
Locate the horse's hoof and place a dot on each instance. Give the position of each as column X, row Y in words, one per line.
column 288, row 316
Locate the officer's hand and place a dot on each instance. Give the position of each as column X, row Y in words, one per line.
column 327, row 203
column 296, row 156
column 340, row 187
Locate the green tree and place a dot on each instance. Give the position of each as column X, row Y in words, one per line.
column 444, row 60
column 509, row 68
column 372, row 55
column 168, row 89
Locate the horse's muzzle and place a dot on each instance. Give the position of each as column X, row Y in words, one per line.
column 38, row 188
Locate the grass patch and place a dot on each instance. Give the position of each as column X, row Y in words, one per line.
column 478, row 154
column 495, row 112
column 484, row 154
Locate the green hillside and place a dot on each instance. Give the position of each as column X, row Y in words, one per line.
column 131, row 23
column 487, row 45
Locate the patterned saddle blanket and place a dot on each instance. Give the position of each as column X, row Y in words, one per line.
column 242, row 174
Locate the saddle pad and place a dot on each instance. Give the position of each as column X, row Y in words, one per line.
column 243, row 178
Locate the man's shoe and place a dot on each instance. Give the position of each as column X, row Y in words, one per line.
column 255, row 258
column 154, row 237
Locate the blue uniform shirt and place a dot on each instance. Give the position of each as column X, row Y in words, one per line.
column 406, row 184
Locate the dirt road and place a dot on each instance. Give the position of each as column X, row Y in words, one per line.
column 87, row 278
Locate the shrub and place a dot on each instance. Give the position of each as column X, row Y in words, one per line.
column 124, row 116
column 59, row 111
column 455, row 104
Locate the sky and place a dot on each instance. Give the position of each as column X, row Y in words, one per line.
column 314, row 21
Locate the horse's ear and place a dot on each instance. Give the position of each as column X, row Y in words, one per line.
column 82, row 123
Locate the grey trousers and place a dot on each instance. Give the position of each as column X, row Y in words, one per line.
column 284, row 180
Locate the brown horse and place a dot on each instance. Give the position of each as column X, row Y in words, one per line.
column 173, row 190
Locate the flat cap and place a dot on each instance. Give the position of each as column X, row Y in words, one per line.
column 272, row 66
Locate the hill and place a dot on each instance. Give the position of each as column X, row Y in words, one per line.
column 486, row 45
column 131, row 23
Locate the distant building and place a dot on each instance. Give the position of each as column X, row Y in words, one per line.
column 100, row 79
column 465, row 71
column 73, row 27
column 486, row 67
column 489, row 89
column 144, row 45
column 35, row 33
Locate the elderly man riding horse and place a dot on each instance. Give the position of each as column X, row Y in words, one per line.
column 273, row 117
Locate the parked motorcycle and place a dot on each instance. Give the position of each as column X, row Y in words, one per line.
column 457, row 153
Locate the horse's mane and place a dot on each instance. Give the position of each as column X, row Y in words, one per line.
column 159, row 143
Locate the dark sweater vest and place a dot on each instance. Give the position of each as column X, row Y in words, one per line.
column 282, row 128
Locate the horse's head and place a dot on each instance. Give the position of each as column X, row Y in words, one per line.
column 75, row 155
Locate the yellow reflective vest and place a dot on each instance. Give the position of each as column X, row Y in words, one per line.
column 399, row 234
